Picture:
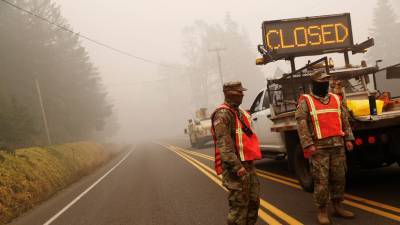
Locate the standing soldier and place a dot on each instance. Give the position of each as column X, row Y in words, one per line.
column 236, row 148
column 324, row 132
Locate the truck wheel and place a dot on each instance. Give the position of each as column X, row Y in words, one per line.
column 290, row 158
column 302, row 170
column 199, row 144
column 291, row 142
column 193, row 142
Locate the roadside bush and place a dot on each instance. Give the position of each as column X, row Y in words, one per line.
column 33, row 175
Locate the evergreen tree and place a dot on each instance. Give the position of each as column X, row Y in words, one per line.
column 238, row 60
column 386, row 31
column 73, row 96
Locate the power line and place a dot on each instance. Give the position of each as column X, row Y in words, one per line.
column 90, row 39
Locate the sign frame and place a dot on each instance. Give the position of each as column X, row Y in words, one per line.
column 324, row 49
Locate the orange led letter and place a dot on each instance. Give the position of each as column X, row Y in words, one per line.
column 296, row 37
column 268, row 37
column 325, row 33
column 345, row 30
column 315, row 34
column 283, row 41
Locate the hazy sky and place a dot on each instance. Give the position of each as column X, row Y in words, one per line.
column 153, row 29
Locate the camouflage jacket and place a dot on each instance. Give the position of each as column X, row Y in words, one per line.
column 225, row 133
column 306, row 131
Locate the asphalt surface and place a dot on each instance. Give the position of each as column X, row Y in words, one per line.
column 169, row 183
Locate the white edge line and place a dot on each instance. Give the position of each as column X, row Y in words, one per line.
column 52, row 219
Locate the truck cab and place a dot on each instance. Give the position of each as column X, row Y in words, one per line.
column 271, row 143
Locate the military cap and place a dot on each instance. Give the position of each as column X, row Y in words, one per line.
column 233, row 86
column 320, row 76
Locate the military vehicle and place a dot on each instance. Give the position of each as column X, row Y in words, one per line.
column 377, row 134
column 199, row 128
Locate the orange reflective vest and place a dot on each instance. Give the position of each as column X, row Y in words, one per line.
column 326, row 118
column 247, row 147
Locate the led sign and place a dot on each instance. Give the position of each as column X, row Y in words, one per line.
column 308, row 36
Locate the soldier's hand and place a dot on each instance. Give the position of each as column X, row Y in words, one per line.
column 241, row 172
column 309, row 151
column 349, row 146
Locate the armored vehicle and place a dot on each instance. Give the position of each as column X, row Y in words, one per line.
column 199, row 128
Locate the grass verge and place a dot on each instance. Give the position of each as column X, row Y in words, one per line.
column 33, row 175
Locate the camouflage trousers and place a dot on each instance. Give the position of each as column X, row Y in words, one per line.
column 328, row 168
column 243, row 197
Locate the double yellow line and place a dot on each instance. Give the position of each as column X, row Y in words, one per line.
column 263, row 215
column 370, row 206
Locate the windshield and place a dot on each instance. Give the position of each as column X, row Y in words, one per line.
column 354, row 85
column 386, row 83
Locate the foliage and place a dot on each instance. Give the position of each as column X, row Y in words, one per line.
column 238, row 60
column 385, row 31
column 16, row 126
column 33, row 175
column 74, row 98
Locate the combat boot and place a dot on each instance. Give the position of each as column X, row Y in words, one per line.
column 322, row 216
column 340, row 211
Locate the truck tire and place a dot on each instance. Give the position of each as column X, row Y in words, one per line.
column 290, row 157
column 291, row 142
column 302, row 170
column 193, row 142
column 198, row 144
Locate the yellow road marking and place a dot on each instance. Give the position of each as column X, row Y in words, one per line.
column 263, row 203
column 372, row 210
column 279, row 176
column 293, row 183
column 272, row 175
column 260, row 172
column 280, row 181
column 263, row 215
column 269, row 175
column 373, row 203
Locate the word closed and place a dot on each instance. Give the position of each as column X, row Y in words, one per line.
column 307, row 36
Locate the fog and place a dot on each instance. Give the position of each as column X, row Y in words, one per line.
column 152, row 101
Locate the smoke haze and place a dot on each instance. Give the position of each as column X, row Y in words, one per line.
column 152, row 101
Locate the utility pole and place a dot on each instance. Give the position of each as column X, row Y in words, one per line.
column 44, row 117
column 218, row 50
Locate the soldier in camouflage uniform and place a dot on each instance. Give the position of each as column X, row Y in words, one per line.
column 327, row 156
column 239, row 177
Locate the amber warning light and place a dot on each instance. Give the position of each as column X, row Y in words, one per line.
column 308, row 36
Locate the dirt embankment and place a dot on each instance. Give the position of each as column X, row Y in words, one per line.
column 33, row 175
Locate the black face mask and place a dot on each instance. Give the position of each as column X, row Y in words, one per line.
column 235, row 99
column 320, row 88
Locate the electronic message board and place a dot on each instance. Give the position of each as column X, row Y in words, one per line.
column 308, row 35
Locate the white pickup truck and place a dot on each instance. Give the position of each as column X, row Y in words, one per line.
column 271, row 143
column 377, row 136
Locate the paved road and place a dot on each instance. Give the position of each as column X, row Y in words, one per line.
column 170, row 183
